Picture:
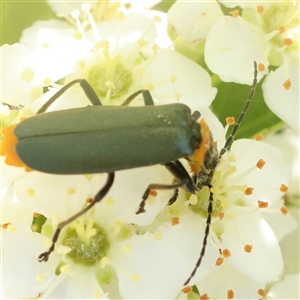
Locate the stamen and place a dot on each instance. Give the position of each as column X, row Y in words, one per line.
column 258, row 137
column 234, row 13
column 219, row 261
column 153, row 193
column 230, row 121
column 204, row 297
column 262, row 204
column 283, row 188
column 187, row 289
column 97, row 294
column 221, row 215
column 226, row 253
column 75, row 16
column 135, row 277
column 281, row 29
column 230, row 294
column 127, row 248
column 287, row 84
column 248, row 248
column 177, row 96
column 120, row 16
column 30, row 192
column 284, row 210
column 158, row 235
column 86, row 7
column 262, row 292
column 27, row 75
column 248, row 191
column 175, row 221
column 287, row 42
column 35, row 214
column 47, row 81
column 260, row 163
column 155, row 47
column 261, row 67
column 157, row 19
column 260, row 9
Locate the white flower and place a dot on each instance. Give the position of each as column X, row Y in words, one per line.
column 249, row 220
column 20, row 80
column 128, row 252
column 189, row 33
column 269, row 35
column 118, row 57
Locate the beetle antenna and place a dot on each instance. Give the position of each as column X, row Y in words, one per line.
column 242, row 115
column 223, row 150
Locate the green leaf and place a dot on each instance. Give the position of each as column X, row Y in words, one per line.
column 16, row 16
column 230, row 101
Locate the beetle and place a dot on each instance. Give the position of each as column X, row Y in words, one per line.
column 105, row 139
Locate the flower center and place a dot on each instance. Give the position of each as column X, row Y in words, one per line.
column 220, row 190
column 110, row 77
column 88, row 242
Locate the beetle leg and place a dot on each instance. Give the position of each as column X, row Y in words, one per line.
column 88, row 90
column 182, row 178
column 174, row 197
column 148, row 100
column 98, row 197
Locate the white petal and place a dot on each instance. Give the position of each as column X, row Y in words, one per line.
column 226, row 277
column 79, row 286
column 12, row 210
column 201, row 16
column 48, row 194
column 288, row 288
column 231, row 48
column 193, row 83
column 166, row 262
column 14, row 60
column 54, row 47
column 264, row 263
column 284, row 103
column 266, row 181
column 127, row 192
column 20, row 266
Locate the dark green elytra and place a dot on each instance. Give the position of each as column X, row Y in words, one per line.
column 106, row 139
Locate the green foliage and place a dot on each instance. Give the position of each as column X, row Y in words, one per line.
column 16, row 16
column 230, row 101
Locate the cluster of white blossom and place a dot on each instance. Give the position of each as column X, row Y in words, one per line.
column 111, row 252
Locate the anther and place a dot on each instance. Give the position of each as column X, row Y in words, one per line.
column 226, row 253
column 230, row 294
column 234, row 13
column 281, row 29
column 175, row 221
column 248, row 191
column 230, row 121
column 187, row 289
column 248, row 248
column 258, row 137
column 284, row 210
column 219, row 261
column 262, row 292
column 260, row 163
column 283, row 188
column 287, row 84
column 287, row 42
column 262, row 204
column 260, row 9
column 204, row 297
column 261, row 67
